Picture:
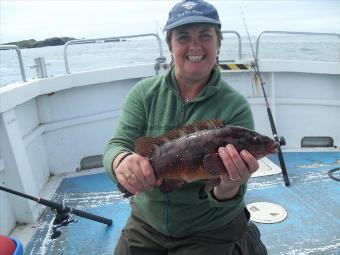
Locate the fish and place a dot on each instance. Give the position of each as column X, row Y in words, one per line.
column 190, row 153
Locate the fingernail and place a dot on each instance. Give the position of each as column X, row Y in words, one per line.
column 244, row 153
column 230, row 147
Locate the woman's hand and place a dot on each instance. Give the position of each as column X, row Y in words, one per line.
column 135, row 173
column 239, row 167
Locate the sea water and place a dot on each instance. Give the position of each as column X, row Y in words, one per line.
column 85, row 57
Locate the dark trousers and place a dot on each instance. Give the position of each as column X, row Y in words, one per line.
column 138, row 238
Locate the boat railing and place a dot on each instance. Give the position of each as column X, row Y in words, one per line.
column 238, row 39
column 291, row 33
column 17, row 49
column 161, row 58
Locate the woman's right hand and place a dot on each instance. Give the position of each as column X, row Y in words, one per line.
column 135, row 173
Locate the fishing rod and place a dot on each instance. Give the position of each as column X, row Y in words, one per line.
column 279, row 139
column 62, row 212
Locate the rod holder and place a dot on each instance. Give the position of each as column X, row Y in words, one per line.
column 40, row 67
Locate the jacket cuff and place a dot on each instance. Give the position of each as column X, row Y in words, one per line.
column 108, row 158
column 227, row 202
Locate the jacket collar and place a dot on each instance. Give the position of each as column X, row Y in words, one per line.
column 209, row 89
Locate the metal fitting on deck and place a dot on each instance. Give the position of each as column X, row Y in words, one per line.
column 40, row 67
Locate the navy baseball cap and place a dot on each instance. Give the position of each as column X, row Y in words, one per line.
column 192, row 11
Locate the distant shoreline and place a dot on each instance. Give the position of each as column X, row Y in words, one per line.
column 32, row 43
column 53, row 41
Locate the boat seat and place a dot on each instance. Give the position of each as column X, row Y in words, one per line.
column 317, row 141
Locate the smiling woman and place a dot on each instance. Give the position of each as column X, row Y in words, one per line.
column 188, row 219
column 51, row 125
column 194, row 51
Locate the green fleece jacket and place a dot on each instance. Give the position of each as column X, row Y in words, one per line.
column 152, row 108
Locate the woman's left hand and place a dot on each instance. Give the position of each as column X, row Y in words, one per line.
column 239, row 167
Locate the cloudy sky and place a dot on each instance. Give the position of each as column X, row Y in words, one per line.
column 28, row 19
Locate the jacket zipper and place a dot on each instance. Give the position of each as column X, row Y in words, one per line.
column 182, row 113
column 168, row 213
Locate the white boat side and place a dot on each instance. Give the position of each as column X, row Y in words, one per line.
column 48, row 125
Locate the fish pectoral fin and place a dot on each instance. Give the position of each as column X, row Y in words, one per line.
column 169, row 185
column 213, row 164
column 210, row 184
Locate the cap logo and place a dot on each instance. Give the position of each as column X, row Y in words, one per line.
column 189, row 5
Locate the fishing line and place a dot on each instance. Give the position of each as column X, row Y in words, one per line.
column 278, row 139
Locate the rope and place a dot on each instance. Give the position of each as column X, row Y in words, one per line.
column 331, row 174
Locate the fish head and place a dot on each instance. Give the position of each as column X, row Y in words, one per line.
column 260, row 145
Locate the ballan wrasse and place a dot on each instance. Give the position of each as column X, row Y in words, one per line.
column 190, row 153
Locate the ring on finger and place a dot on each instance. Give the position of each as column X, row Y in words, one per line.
column 235, row 179
column 127, row 175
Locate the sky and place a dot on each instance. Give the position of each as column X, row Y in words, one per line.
column 21, row 20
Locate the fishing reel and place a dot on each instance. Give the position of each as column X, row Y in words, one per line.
column 280, row 139
column 61, row 219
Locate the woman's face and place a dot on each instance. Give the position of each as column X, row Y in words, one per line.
column 194, row 49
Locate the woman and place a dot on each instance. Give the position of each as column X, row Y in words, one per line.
column 187, row 220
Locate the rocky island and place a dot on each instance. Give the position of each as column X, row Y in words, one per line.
column 54, row 41
column 31, row 43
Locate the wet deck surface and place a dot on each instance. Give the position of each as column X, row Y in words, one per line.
column 312, row 202
column 95, row 194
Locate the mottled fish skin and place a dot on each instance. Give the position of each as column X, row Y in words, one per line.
column 189, row 153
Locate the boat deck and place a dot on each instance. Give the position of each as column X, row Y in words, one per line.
column 312, row 203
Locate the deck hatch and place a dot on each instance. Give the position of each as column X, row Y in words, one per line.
column 264, row 212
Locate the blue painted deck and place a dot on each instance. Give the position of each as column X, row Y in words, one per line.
column 312, row 202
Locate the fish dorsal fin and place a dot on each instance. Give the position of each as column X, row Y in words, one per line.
column 192, row 128
column 145, row 146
